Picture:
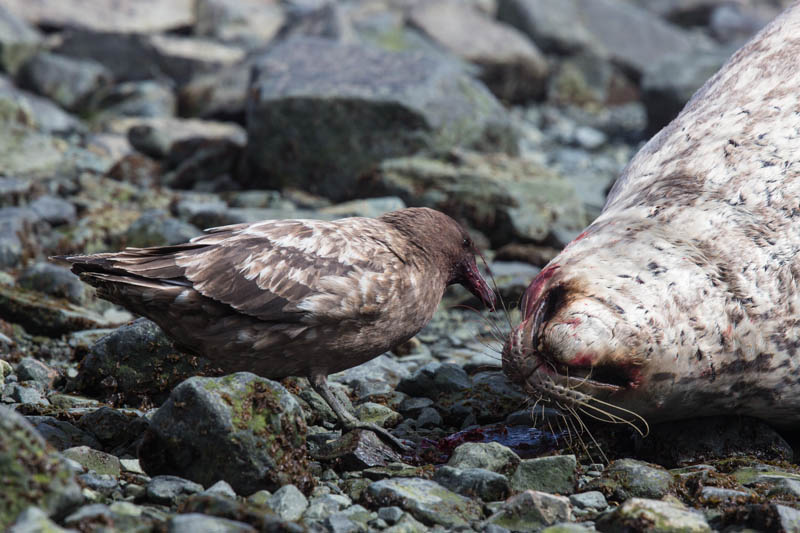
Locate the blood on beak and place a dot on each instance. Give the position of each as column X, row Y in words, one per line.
column 471, row 279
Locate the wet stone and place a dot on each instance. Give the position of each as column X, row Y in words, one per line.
column 170, row 490
column 426, row 500
column 288, row 502
column 555, row 474
column 489, row 455
column 474, row 482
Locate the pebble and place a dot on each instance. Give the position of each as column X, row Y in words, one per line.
column 288, row 502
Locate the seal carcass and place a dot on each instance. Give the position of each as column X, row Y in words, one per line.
column 682, row 299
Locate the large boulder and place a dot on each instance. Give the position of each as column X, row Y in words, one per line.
column 321, row 114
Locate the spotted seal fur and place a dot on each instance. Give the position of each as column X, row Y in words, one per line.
column 682, row 300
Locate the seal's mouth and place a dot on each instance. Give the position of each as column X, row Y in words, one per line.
column 530, row 359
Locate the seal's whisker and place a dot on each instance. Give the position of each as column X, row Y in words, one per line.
column 633, row 414
column 586, row 429
column 497, row 291
column 494, row 329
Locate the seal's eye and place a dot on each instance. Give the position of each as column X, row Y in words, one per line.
column 467, row 242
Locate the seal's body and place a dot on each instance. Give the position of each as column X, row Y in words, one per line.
column 682, row 298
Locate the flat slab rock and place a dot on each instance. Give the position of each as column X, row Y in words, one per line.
column 426, row 500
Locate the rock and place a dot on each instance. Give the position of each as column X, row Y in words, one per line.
column 700, row 440
column 157, row 228
column 193, row 522
column 366, row 105
column 668, row 85
column 13, row 191
column 731, row 23
column 378, row 414
column 136, row 363
column 370, row 207
column 244, row 429
column 641, row 513
column 425, row 500
column 100, row 462
column 30, row 369
column 42, row 315
column 219, row 95
column 249, row 22
column 24, row 151
column 129, row 56
column 357, row 450
column 61, row 434
column 592, row 500
column 506, row 198
column 17, row 227
column 429, row 418
column 717, row 495
column 159, row 136
column 322, row 507
column 18, row 41
column 474, row 482
column 288, row 502
column 24, row 394
column 785, row 487
column 103, row 484
column 390, row 514
column 489, row 455
column 619, row 31
column 629, row 478
column 32, row 474
column 511, row 65
column 435, row 379
column 55, row 211
column 257, row 516
column 170, row 490
column 588, row 81
column 115, row 430
column 531, row 511
column 147, row 98
column 34, row 520
column 380, row 373
column 119, row 16
column 181, row 58
column 554, row 474
column 220, row 488
column 75, row 84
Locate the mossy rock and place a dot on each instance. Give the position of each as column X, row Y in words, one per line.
column 32, row 473
column 246, row 430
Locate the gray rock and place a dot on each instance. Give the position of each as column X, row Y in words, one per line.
column 171, row 490
column 385, row 104
column 238, row 428
column 221, row 488
column 629, row 478
column 30, row 369
column 568, row 527
column 54, row 280
column 783, row 487
column 61, row 434
column 429, row 418
column 378, row 414
column 56, row 211
column 220, row 95
column 489, row 455
column 511, row 65
column 194, row 522
column 13, row 191
column 425, row 500
column 322, row 507
column 592, row 500
column 504, row 197
column 129, row 56
column 413, row 406
column 17, row 226
column 668, row 85
column 665, row 516
column 357, row 450
column 119, row 16
column 340, row 523
column 620, row 31
column 32, row 474
column 555, row 474
column 587, row 80
column 474, row 482
column 370, row 207
column 249, row 22
column 390, row 514
column 100, row 462
column 75, row 84
column 116, row 430
column 531, row 511
column 717, row 495
column 88, row 514
column 730, row 23
column 435, row 379
column 23, row 150
column 181, row 58
column 157, row 228
column 34, row 520
column 147, row 98
column 18, row 41
column 24, row 394
column 288, row 502
column 134, row 362
column 104, row 484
